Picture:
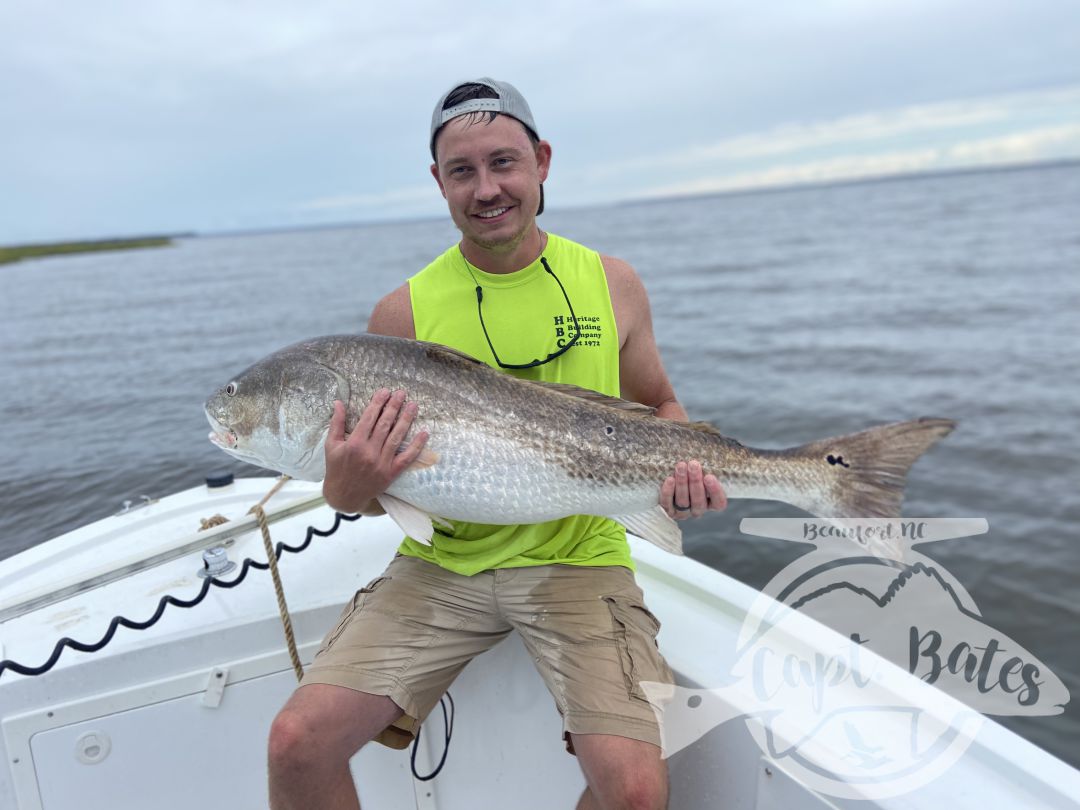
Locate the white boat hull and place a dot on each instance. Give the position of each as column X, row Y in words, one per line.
column 177, row 715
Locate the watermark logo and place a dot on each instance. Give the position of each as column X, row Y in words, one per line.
column 864, row 667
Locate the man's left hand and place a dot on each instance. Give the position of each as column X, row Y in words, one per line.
column 690, row 493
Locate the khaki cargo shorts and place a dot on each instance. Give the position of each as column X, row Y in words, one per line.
column 410, row 632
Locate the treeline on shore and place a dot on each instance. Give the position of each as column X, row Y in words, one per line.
column 14, row 253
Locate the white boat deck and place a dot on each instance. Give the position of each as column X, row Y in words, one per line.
column 176, row 715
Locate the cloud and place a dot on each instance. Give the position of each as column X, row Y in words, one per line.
column 1030, row 146
column 1010, row 128
column 1021, row 147
column 868, row 128
column 847, row 167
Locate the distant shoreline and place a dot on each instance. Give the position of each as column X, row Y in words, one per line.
column 15, row 253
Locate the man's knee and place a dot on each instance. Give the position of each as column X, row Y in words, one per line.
column 622, row 773
column 322, row 726
column 292, row 740
column 632, row 793
column 643, row 792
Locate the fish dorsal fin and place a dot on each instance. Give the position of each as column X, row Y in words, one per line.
column 439, row 352
column 631, row 408
column 704, row 427
column 436, row 351
column 625, row 405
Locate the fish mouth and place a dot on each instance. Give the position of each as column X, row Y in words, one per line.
column 221, row 436
column 229, row 440
column 224, row 439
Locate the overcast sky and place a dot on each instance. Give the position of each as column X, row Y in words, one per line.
column 139, row 116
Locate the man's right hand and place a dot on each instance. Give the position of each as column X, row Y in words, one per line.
column 361, row 465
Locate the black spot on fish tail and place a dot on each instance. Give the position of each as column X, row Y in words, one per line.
column 869, row 468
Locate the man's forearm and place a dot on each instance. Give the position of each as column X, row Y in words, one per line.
column 671, row 409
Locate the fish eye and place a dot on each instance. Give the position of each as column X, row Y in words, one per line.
column 230, row 389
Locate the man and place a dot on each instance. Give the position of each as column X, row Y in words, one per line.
column 508, row 294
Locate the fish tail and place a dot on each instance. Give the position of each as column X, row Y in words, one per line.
column 867, row 470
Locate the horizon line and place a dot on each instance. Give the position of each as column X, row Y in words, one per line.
column 808, row 185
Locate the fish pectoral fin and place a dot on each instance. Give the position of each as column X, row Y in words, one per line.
column 655, row 526
column 415, row 522
column 427, row 458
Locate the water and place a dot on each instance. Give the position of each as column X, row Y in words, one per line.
column 782, row 317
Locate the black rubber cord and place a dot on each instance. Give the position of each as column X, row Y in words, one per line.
column 167, row 600
column 448, row 725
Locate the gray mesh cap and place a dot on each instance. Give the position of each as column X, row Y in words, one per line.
column 509, row 102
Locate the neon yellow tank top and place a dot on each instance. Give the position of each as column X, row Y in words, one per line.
column 526, row 318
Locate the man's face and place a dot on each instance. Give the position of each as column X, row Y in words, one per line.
column 490, row 175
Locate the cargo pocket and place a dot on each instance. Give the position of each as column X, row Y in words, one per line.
column 635, row 629
column 351, row 607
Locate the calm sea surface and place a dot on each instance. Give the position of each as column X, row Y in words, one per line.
column 782, row 317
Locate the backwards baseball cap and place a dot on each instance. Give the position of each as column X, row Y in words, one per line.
column 508, row 102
